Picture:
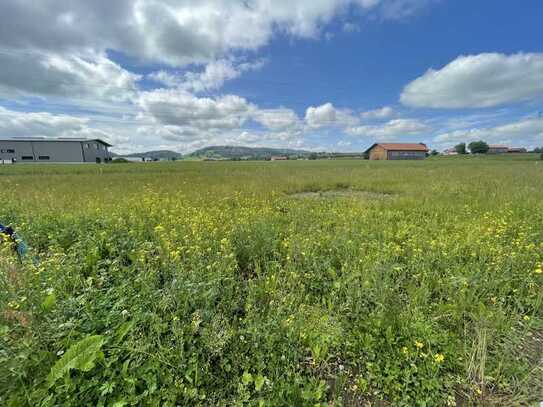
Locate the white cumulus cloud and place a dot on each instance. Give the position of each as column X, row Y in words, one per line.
column 49, row 74
column 478, row 81
column 328, row 115
column 176, row 32
column 277, row 119
column 44, row 124
column 213, row 77
column 382, row 113
column 180, row 108
column 527, row 131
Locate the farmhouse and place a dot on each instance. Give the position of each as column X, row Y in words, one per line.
column 517, row 150
column 497, row 149
column 53, row 150
column 397, row 151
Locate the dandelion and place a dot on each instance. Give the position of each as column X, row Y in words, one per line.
column 419, row 345
column 439, row 358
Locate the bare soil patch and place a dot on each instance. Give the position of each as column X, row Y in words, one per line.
column 342, row 193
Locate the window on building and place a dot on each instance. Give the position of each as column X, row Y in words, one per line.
column 87, row 145
column 27, row 157
column 43, row 157
column 8, row 150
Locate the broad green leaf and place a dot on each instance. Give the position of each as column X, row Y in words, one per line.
column 49, row 302
column 246, row 378
column 259, row 382
column 123, row 330
column 81, row 356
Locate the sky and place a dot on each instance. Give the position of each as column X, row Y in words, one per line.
column 320, row 75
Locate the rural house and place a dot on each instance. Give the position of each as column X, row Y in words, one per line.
column 397, row 151
column 497, row 149
column 53, row 150
column 517, row 150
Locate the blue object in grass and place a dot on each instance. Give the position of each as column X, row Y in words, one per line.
column 20, row 245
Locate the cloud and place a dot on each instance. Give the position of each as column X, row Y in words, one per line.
column 328, row 115
column 176, row 115
column 43, row 124
column 277, row 119
column 478, row 81
column 391, row 129
column 173, row 133
column 382, row 113
column 528, row 131
column 213, row 77
column 350, row 27
column 172, row 31
column 48, row 74
column 180, row 108
column 399, row 9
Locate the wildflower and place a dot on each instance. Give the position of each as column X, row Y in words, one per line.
column 439, row 358
column 526, row 317
column 539, row 269
column 405, row 350
column 419, row 345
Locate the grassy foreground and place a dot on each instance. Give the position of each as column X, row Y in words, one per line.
column 211, row 284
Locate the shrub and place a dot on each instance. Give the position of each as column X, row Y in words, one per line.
column 461, row 148
column 478, row 147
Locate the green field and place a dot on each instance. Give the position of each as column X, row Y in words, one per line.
column 274, row 283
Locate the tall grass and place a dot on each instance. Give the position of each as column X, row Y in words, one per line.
column 210, row 284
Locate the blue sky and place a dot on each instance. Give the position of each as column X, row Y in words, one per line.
column 332, row 75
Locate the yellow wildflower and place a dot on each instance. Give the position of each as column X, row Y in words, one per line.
column 419, row 345
column 439, row 358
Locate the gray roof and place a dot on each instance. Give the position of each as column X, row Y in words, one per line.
column 55, row 139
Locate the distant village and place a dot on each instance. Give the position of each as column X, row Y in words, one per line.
column 64, row 150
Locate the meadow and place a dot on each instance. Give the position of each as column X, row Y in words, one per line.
column 333, row 283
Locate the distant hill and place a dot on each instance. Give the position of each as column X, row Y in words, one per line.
column 158, row 155
column 244, row 153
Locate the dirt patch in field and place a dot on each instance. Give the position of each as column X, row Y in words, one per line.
column 342, row 193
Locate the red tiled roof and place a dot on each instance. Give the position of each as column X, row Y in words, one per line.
column 403, row 146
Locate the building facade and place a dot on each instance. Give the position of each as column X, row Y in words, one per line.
column 497, row 149
column 517, row 150
column 58, row 150
column 397, row 151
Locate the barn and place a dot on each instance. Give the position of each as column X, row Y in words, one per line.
column 397, row 151
column 497, row 149
column 53, row 150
